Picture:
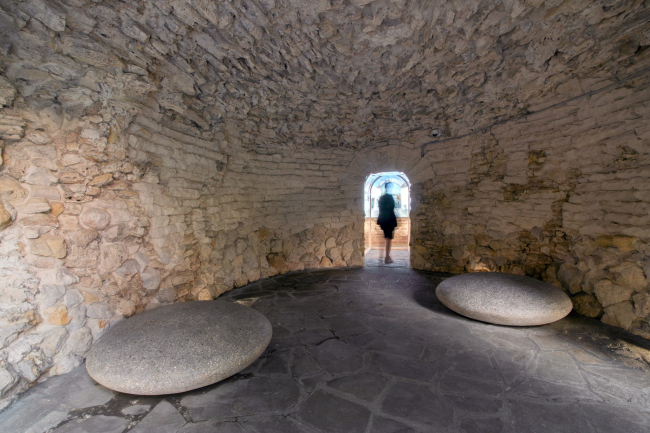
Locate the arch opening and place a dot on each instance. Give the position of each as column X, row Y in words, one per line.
column 399, row 187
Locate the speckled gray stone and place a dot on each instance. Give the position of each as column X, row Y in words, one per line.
column 504, row 299
column 178, row 347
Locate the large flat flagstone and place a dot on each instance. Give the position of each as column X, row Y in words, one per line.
column 333, row 414
column 178, row 347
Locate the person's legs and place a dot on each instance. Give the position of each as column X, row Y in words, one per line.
column 388, row 259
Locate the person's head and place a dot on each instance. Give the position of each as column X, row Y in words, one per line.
column 387, row 187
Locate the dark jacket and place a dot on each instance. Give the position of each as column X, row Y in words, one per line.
column 386, row 218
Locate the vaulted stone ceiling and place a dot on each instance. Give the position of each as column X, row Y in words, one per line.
column 333, row 73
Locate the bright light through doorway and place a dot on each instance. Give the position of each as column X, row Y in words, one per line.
column 375, row 187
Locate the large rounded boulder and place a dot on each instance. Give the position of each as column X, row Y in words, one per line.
column 179, row 347
column 504, row 299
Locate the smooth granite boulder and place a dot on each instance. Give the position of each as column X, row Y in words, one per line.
column 178, row 347
column 504, row 299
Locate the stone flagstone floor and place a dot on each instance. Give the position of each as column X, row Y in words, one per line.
column 373, row 350
column 401, row 258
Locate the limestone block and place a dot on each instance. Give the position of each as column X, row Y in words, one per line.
column 57, row 208
column 47, row 192
column 334, row 254
column 34, row 205
column 68, row 223
column 50, row 294
column 629, row 275
column 166, row 295
column 7, row 92
column 570, row 277
column 5, row 217
column 90, row 297
column 35, row 232
column 356, row 259
column 73, row 298
column 83, row 257
column 11, row 127
column 119, row 216
column 46, row 13
column 54, row 340
column 67, row 363
column 99, row 310
column 94, row 218
column 621, row 314
column 78, row 315
column 66, row 277
column 83, row 237
column 624, row 243
column 78, row 342
column 39, row 176
column 48, row 246
column 11, row 190
column 125, row 272
column 609, row 293
column 101, row 180
column 73, row 180
column 142, row 260
column 126, row 307
column 150, row 278
column 12, row 325
column 58, row 315
column 98, row 327
column 587, row 305
column 276, row 260
column 116, row 233
column 642, row 305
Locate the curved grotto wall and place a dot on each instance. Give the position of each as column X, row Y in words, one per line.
column 561, row 195
column 169, row 150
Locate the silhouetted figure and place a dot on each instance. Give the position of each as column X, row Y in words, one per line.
column 387, row 220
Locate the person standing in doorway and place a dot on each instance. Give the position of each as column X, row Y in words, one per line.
column 386, row 219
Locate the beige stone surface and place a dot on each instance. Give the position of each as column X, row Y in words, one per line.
column 58, row 315
column 5, row 217
column 49, row 246
column 219, row 145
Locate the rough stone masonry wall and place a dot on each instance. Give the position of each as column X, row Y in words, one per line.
column 99, row 224
column 111, row 203
column 562, row 195
column 167, row 150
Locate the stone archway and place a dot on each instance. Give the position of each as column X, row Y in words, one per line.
column 374, row 187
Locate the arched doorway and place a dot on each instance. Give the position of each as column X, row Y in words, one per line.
column 400, row 188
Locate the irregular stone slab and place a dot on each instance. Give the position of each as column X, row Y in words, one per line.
column 366, row 386
column 47, row 405
column 243, row 397
column 164, row 418
column 504, row 299
column 417, row 403
column 179, row 347
column 333, row 414
column 101, row 423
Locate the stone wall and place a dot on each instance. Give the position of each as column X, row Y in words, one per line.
column 92, row 236
column 562, row 195
column 112, row 202
column 169, row 150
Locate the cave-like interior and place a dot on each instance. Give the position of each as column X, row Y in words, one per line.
column 165, row 151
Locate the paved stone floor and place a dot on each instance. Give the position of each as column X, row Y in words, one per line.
column 401, row 258
column 373, row 350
